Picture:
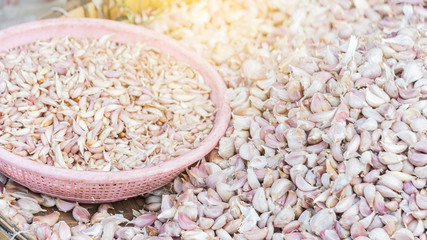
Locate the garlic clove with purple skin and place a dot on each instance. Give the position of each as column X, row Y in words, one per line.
column 421, row 146
column 421, row 200
column 344, row 204
column 64, row 206
column 279, row 188
column 94, row 230
column 404, row 234
column 213, row 211
column 412, row 72
column 144, row 220
column 285, row 216
column 205, row 223
column 260, row 201
column 42, row 230
column 108, row 230
column 27, row 204
column 195, row 235
column 417, row 159
column 378, row 234
column 171, row 228
column 379, row 204
column 63, row 230
column 303, row 185
column 50, row 219
column 48, row 201
column 391, row 182
column 330, row 234
column 322, row 220
column 185, row 222
column 256, row 234
column 126, row 233
column 81, row 214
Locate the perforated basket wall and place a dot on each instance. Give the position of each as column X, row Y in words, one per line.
column 87, row 192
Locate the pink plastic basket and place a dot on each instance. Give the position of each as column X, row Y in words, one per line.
column 92, row 186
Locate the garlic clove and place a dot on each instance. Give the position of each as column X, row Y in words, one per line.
column 64, row 206
column 185, row 222
column 50, row 219
column 81, row 214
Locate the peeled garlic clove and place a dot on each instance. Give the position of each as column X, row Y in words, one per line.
column 50, row 219
column 81, row 214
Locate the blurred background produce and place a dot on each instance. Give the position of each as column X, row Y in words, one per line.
column 131, row 11
column 18, row 11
